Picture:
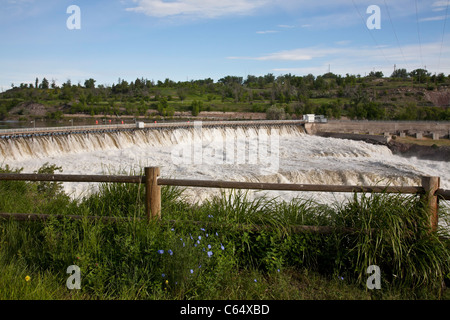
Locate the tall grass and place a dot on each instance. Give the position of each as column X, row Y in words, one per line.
column 229, row 247
column 393, row 233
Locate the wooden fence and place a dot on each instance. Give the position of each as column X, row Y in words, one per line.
column 429, row 190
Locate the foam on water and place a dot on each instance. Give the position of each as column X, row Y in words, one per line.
column 302, row 158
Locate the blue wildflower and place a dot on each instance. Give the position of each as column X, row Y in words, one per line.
column 163, row 275
column 160, row 251
column 210, row 216
column 199, row 237
column 209, row 253
column 222, row 247
column 203, row 229
column 170, row 252
column 209, row 246
column 192, row 271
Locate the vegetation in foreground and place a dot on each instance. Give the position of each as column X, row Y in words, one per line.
column 229, row 247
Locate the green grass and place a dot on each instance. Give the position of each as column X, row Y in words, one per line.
column 229, row 247
column 424, row 141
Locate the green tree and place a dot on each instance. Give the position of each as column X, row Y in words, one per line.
column 196, row 107
column 170, row 112
column 376, row 74
column 49, row 189
column 45, row 84
column 89, row 84
column 230, row 80
column 275, row 113
column 374, row 111
column 420, row 75
column 162, row 106
column 182, row 93
column 400, row 73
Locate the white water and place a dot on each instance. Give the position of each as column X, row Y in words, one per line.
column 301, row 158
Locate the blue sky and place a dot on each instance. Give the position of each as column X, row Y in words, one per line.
column 197, row 39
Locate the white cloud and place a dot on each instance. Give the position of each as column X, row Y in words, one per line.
column 267, row 31
column 301, row 54
column 343, row 42
column 320, row 14
column 285, row 26
column 441, row 3
column 196, row 8
column 356, row 59
column 438, row 6
column 437, row 18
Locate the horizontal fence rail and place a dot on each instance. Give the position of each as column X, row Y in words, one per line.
column 429, row 190
column 71, row 178
column 444, row 194
column 286, row 186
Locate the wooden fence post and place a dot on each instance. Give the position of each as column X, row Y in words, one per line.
column 431, row 201
column 152, row 193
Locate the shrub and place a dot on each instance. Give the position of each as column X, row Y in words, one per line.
column 275, row 113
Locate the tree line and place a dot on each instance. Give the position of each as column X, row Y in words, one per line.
column 349, row 95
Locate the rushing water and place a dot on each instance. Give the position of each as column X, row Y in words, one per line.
column 267, row 154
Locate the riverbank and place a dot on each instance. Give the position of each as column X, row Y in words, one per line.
column 426, row 152
column 426, row 149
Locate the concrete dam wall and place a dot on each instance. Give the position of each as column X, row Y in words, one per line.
column 409, row 128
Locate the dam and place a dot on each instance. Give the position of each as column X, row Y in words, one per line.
column 408, row 128
column 56, row 131
column 37, row 142
column 282, row 152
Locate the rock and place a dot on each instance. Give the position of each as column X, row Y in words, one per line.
column 433, row 152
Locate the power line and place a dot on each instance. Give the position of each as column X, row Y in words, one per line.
column 373, row 38
column 418, row 34
column 443, row 33
column 395, row 33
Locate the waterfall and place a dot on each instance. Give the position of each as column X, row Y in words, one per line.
column 275, row 154
column 47, row 146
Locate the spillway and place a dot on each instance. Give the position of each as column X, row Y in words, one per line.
column 283, row 154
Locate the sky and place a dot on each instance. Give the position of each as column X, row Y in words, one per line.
column 187, row 40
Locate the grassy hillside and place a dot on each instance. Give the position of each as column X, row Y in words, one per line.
column 372, row 97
